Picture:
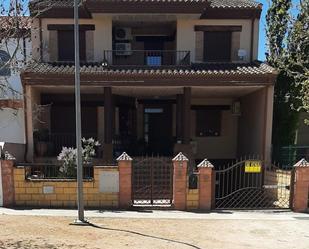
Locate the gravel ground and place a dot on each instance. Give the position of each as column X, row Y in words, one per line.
column 55, row 232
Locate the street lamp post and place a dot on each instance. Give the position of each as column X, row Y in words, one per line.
column 80, row 200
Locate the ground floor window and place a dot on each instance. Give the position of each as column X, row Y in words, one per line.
column 208, row 123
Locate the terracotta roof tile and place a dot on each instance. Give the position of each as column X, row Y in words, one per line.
column 254, row 68
column 227, row 4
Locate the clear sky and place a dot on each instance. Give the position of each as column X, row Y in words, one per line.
column 262, row 37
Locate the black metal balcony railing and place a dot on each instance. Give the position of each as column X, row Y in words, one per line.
column 147, row 58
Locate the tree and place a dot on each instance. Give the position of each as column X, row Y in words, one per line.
column 297, row 64
column 285, row 119
column 277, row 19
column 14, row 27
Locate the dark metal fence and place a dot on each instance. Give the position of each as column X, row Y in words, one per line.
column 43, row 171
column 152, row 181
column 149, row 58
column 289, row 155
column 250, row 183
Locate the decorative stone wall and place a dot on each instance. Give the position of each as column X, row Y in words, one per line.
column 62, row 193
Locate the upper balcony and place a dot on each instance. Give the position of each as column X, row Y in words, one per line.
column 146, row 58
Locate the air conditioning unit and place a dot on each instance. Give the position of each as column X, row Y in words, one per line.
column 123, row 34
column 123, row 48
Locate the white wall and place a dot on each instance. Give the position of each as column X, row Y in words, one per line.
column 12, row 126
column 1, row 190
column 22, row 54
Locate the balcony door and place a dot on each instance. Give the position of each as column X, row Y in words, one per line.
column 153, row 53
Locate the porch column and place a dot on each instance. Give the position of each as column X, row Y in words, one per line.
column 109, row 117
column 29, row 124
column 179, row 100
column 186, row 115
column 269, row 96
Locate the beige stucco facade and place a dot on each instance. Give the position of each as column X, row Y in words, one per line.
column 186, row 38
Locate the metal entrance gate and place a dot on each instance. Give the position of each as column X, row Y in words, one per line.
column 251, row 184
column 152, row 181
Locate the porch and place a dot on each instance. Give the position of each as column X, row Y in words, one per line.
column 220, row 122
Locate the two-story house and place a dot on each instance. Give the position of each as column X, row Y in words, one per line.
column 157, row 77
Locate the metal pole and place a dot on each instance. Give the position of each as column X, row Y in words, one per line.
column 79, row 164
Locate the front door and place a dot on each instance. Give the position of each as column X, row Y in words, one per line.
column 158, row 129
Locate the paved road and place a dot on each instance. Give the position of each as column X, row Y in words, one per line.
column 164, row 214
column 49, row 228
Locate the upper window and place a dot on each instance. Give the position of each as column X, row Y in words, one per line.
column 66, row 45
column 217, row 46
column 208, row 123
column 4, row 58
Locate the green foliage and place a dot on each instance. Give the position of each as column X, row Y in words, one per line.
column 288, row 44
column 285, row 117
column 277, row 19
column 297, row 63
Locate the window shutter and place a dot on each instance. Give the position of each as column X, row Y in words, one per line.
column 89, row 45
column 217, row 46
column 235, row 46
column 199, row 45
column 53, row 45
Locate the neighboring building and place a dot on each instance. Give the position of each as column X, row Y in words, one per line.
column 302, row 137
column 157, row 77
column 15, row 48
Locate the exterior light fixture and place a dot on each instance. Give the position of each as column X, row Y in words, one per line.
column 236, row 108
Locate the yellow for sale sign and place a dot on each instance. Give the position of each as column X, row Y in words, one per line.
column 253, row 166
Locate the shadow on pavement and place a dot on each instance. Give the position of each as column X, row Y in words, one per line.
column 142, row 234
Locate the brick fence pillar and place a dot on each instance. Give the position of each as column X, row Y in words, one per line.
column 7, row 179
column 301, row 186
column 206, row 185
column 125, row 180
column 180, row 163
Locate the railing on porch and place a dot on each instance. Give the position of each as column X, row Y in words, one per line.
column 59, row 140
column 147, row 58
column 51, row 171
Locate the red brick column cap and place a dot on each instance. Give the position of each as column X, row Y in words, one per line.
column 302, row 163
column 205, row 164
column 124, row 157
column 180, row 158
